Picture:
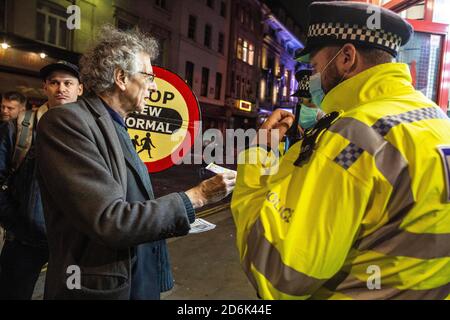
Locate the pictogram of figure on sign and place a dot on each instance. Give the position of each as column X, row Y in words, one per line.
column 135, row 142
column 147, row 144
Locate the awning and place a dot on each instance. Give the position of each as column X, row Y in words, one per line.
column 29, row 86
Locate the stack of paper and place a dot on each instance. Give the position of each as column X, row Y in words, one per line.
column 201, row 225
column 218, row 169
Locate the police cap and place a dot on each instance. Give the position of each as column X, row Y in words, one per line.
column 340, row 22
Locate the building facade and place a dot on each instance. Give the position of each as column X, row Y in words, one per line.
column 261, row 67
column 34, row 33
column 202, row 55
column 237, row 56
column 243, row 64
column 280, row 41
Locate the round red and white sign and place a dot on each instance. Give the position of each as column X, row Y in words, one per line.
column 166, row 129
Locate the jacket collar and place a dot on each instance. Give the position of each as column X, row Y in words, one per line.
column 42, row 109
column 105, row 123
column 96, row 105
column 381, row 81
column 99, row 107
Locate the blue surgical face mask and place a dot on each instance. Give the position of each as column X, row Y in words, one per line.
column 308, row 117
column 315, row 84
column 315, row 89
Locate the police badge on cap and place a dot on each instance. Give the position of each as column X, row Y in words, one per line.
column 302, row 77
column 340, row 22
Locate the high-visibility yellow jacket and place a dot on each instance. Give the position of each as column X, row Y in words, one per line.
column 368, row 217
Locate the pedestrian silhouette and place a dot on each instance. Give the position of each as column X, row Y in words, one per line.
column 147, row 144
column 135, row 142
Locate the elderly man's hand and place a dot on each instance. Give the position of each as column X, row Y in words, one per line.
column 212, row 190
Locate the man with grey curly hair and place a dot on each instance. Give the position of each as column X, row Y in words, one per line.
column 117, row 50
column 106, row 231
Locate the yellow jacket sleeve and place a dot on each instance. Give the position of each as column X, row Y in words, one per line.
column 295, row 226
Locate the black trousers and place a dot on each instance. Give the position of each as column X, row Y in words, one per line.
column 20, row 267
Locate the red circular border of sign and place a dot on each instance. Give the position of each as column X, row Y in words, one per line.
column 194, row 115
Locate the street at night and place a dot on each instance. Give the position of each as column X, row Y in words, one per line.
column 188, row 152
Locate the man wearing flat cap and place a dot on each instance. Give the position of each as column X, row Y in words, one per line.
column 360, row 208
column 25, row 251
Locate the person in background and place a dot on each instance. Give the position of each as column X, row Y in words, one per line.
column 25, row 251
column 12, row 104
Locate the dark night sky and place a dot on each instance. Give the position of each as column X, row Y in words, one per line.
column 298, row 9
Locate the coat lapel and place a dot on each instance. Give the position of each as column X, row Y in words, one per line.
column 120, row 152
column 106, row 126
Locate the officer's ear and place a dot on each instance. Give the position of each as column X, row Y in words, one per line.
column 348, row 59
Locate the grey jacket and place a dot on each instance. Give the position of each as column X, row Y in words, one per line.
column 90, row 225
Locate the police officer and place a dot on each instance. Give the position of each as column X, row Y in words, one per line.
column 360, row 208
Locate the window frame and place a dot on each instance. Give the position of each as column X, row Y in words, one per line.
column 245, row 51
column 189, row 78
column 207, row 36
column 239, row 48
column 59, row 18
column 195, row 20
column 162, row 4
column 223, row 9
column 204, row 88
column 218, row 89
column 125, row 21
column 221, row 43
column 4, row 8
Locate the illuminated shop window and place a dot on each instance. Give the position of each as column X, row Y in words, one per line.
column 245, row 51
column 422, row 54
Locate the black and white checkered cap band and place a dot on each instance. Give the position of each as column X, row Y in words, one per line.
column 304, row 83
column 356, row 33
